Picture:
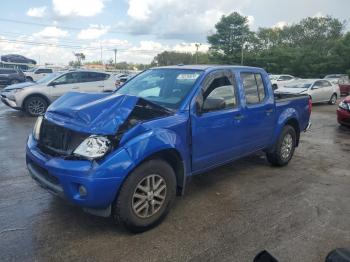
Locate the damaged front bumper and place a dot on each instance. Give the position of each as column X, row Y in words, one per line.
column 89, row 184
column 9, row 102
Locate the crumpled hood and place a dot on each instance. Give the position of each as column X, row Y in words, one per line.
column 93, row 113
column 19, row 85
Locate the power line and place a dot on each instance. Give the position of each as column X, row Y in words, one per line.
column 35, row 43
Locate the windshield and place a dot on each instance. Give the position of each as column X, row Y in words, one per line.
column 48, row 78
column 164, row 87
column 299, row 85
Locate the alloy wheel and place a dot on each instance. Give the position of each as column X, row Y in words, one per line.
column 149, row 196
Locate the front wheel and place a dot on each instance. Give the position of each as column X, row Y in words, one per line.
column 333, row 99
column 35, row 106
column 146, row 196
column 284, row 148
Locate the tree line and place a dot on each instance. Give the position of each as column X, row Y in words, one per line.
column 313, row 47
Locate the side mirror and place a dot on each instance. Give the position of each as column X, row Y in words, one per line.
column 314, row 87
column 52, row 84
column 213, row 104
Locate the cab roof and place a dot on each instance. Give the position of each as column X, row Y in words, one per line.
column 207, row 67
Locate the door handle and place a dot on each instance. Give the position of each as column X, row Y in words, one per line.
column 75, row 87
column 101, row 86
column 238, row 117
column 268, row 111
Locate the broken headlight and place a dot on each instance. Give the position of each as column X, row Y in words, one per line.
column 37, row 126
column 93, row 147
column 344, row 105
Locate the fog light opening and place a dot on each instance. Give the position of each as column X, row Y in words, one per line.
column 82, row 191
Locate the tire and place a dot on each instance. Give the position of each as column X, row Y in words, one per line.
column 28, row 78
column 14, row 81
column 133, row 206
column 333, row 99
column 35, row 105
column 282, row 152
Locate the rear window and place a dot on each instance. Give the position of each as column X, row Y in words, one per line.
column 253, row 87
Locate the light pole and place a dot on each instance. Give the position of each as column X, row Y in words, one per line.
column 242, row 51
column 115, row 57
column 197, row 46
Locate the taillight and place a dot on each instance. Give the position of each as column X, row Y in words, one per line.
column 310, row 105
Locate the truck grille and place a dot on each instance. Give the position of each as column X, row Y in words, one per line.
column 56, row 140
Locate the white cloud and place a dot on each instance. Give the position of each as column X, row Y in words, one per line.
column 190, row 47
column 190, row 19
column 51, row 32
column 78, row 7
column 318, row 14
column 251, row 20
column 36, row 11
column 280, row 24
column 93, row 32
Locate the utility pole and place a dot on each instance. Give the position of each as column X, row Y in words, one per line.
column 197, row 46
column 101, row 53
column 115, row 57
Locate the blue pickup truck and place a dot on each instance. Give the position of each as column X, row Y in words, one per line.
column 129, row 153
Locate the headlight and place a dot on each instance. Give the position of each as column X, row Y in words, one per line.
column 37, row 126
column 344, row 105
column 93, row 147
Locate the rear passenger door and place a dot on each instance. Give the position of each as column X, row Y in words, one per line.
column 92, row 81
column 259, row 111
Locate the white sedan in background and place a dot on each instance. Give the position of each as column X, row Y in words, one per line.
column 320, row 90
column 278, row 81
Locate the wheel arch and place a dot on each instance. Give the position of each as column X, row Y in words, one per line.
column 33, row 95
column 293, row 122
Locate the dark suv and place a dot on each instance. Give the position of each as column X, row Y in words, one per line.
column 9, row 76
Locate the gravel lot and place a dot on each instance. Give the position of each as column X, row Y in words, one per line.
column 298, row 213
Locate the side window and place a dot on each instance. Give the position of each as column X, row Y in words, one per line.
column 93, row 76
column 326, row 84
column 318, row 84
column 253, row 87
column 220, row 89
column 69, row 78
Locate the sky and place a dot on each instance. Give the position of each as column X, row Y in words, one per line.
column 50, row 31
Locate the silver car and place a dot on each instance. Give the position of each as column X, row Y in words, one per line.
column 320, row 90
column 35, row 97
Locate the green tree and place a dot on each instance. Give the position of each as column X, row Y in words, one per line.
column 232, row 32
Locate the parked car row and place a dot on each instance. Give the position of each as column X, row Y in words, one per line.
column 341, row 80
column 35, row 97
column 10, row 76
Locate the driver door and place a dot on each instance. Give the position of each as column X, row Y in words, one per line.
column 317, row 91
column 63, row 84
column 216, row 133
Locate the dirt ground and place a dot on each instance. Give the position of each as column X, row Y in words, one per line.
column 298, row 213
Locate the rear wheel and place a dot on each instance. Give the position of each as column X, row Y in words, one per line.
column 35, row 105
column 333, row 99
column 28, row 78
column 146, row 196
column 284, row 148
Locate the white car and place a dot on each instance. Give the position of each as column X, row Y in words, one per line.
column 36, row 73
column 320, row 90
column 278, row 81
column 35, row 97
